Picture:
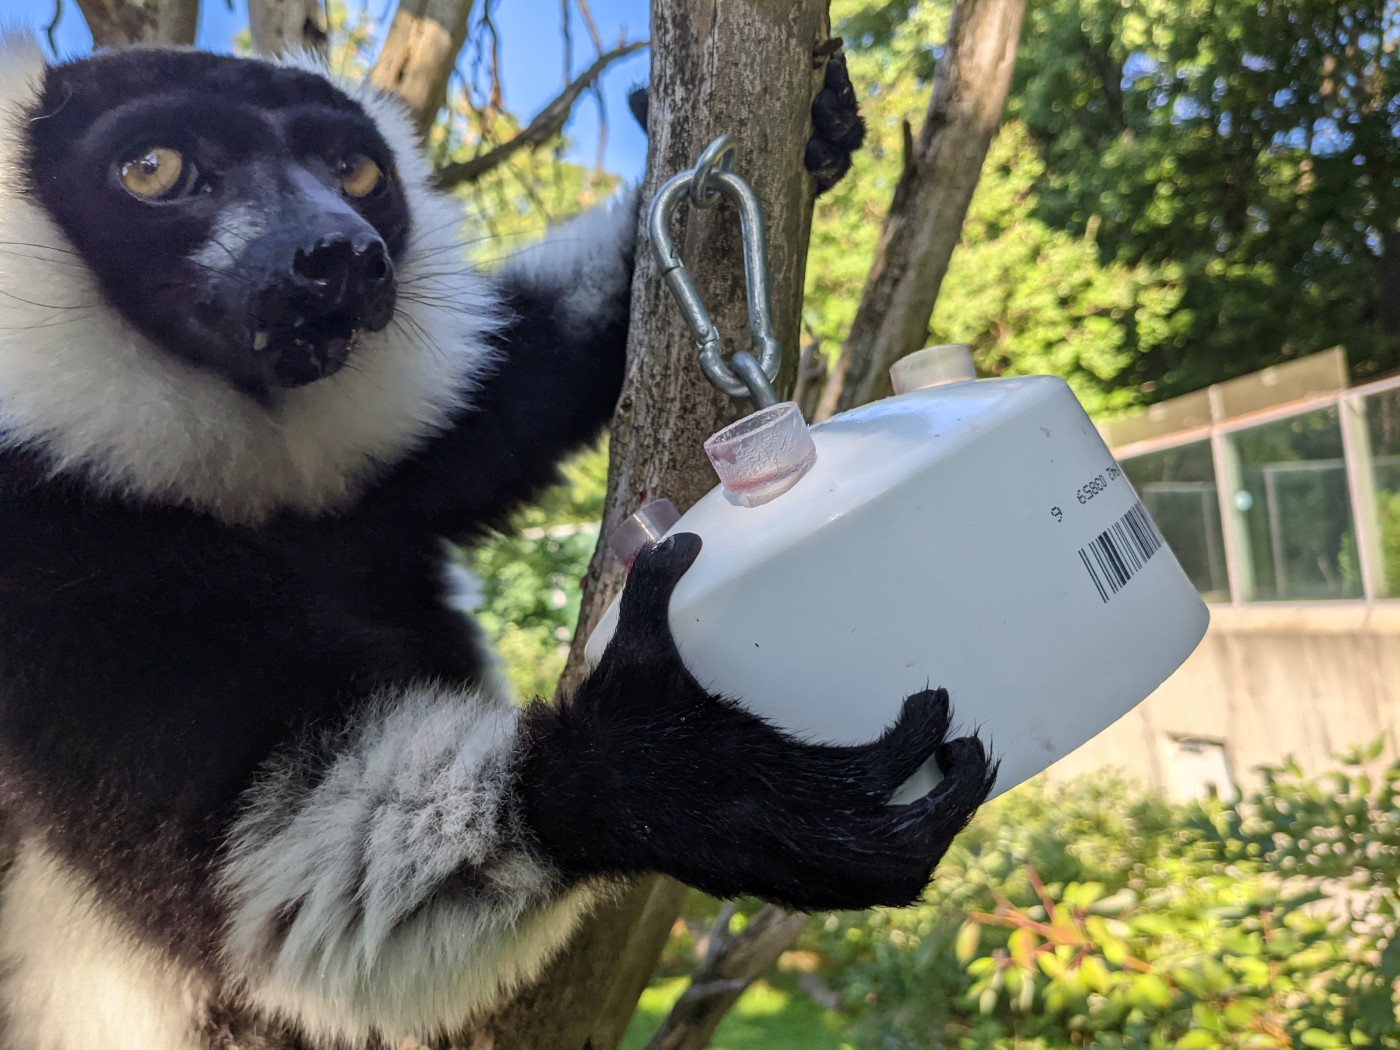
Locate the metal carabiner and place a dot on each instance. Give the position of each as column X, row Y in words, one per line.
column 711, row 178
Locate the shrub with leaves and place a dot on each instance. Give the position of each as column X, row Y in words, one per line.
column 1090, row 915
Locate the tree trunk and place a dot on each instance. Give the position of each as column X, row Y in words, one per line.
column 279, row 26
column 925, row 220
column 741, row 66
column 120, row 23
column 420, row 53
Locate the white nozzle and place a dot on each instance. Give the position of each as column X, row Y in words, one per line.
column 933, row 366
column 762, row 455
column 647, row 524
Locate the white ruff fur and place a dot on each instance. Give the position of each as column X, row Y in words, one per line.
column 75, row 977
column 581, row 264
column 81, row 385
column 388, row 893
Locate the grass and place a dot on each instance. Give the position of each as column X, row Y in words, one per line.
column 770, row 1016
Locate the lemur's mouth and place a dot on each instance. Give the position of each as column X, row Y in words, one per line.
column 304, row 351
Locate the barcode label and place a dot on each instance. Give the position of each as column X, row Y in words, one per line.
column 1121, row 550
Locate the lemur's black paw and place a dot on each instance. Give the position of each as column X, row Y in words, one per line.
column 822, row 845
column 837, row 126
column 642, row 621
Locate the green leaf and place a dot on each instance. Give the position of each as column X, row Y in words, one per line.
column 1197, row 1040
column 969, row 937
column 1317, row 1038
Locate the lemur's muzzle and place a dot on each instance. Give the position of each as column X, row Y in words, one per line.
column 307, row 317
column 316, row 277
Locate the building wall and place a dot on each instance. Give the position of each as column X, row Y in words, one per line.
column 1266, row 682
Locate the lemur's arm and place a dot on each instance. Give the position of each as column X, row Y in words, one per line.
column 561, row 353
column 552, row 388
column 270, row 785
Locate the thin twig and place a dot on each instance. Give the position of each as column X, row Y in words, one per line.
column 547, row 123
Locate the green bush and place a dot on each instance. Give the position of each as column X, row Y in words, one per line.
column 1090, row 915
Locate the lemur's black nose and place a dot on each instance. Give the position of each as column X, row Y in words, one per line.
column 343, row 280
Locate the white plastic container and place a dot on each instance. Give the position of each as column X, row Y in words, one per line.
column 976, row 535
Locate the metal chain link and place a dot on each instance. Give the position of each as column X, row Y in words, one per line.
column 713, row 177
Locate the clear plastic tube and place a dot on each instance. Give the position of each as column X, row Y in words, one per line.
column 647, row 524
column 933, row 366
column 762, row 455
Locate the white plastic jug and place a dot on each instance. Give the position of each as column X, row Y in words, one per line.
column 977, row 536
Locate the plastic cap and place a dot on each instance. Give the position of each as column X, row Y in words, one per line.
column 647, row 524
column 933, row 366
column 762, row 455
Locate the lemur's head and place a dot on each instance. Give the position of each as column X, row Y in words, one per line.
column 223, row 282
column 244, row 216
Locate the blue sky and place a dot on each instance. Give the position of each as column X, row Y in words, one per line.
column 532, row 56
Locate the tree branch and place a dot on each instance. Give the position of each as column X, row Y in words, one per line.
column 419, row 54
column 732, row 963
column 739, row 66
column 924, row 223
column 280, row 26
column 121, row 23
column 547, row 124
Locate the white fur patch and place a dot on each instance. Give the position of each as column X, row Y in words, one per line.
column 581, row 264
column 390, row 894
column 76, row 978
column 79, row 384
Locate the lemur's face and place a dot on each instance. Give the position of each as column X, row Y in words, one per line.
column 245, row 217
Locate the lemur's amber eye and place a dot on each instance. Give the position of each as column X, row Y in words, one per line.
column 152, row 174
column 359, row 176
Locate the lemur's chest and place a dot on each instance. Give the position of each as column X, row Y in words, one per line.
column 396, row 589
column 111, row 568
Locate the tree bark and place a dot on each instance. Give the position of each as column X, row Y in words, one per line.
column 420, row 53
column 121, row 23
column 279, row 26
column 924, row 224
column 741, row 66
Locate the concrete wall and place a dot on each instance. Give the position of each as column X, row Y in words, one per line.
column 1266, row 682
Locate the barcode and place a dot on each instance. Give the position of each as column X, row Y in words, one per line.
column 1121, row 550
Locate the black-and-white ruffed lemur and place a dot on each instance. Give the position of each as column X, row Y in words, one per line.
column 264, row 789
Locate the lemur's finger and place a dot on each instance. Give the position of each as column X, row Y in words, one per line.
column 916, row 736
column 837, row 127
column 867, row 774
column 836, row 110
column 968, row 778
column 646, row 598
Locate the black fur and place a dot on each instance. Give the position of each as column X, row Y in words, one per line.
column 153, row 658
column 838, row 129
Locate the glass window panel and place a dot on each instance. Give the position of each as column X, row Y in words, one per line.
column 1177, row 486
column 1292, row 510
column 1383, row 437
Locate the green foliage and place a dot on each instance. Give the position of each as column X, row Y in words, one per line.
column 1032, row 298
column 1089, row 915
column 1182, row 192
column 530, row 576
column 1250, row 146
column 1388, row 516
column 771, row 1015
